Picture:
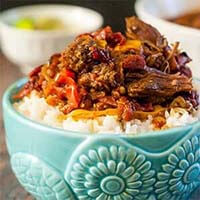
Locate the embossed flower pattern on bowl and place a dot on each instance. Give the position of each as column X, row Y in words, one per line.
column 41, row 180
column 181, row 175
column 112, row 173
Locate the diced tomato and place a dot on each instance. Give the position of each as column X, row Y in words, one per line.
column 64, row 75
column 70, row 90
column 60, row 92
column 72, row 93
column 69, row 73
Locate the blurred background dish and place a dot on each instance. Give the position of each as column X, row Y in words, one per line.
column 29, row 46
column 40, row 23
column 158, row 14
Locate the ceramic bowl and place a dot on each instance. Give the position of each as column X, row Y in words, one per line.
column 156, row 13
column 57, row 164
column 30, row 48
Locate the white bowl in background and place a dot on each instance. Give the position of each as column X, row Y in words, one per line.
column 157, row 11
column 29, row 48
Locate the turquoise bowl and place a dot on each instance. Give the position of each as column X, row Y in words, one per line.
column 55, row 164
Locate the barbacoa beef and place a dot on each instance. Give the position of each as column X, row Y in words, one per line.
column 104, row 70
column 154, row 85
column 137, row 29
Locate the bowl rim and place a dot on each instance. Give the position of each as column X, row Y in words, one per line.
column 8, row 107
column 88, row 11
column 140, row 10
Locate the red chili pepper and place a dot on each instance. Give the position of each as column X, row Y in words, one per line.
column 72, row 93
column 70, row 74
column 71, row 89
column 64, row 74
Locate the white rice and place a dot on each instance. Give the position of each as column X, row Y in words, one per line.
column 38, row 110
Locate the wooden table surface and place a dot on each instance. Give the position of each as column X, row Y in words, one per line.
column 10, row 189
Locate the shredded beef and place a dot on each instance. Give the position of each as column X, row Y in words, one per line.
column 105, row 69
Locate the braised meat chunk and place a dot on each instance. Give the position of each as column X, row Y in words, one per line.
column 155, row 85
column 137, row 29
